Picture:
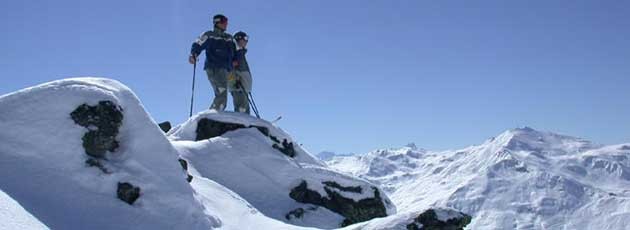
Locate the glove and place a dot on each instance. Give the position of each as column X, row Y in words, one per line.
column 192, row 59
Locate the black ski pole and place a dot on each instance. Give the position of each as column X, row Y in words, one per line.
column 254, row 104
column 192, row 98
column 250, row 98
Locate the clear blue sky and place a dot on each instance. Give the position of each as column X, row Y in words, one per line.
column 352, row 76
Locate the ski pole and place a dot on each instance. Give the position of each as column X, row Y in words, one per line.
column 249, row 97
column 192, row 98
column 254, row 104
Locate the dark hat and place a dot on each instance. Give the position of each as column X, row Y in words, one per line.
column 219, row 18
column 241, row 36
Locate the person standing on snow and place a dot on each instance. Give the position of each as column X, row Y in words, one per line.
column 240, row 81
column 220, row 50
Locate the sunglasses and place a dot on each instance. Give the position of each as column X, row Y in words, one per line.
column 245, row 38
column 220, row 20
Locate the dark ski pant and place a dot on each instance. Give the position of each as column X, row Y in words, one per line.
column 241, row 102
column 222, row 81
column 218, row 80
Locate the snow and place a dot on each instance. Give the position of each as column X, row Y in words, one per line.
column 447, row 214
column 233, row 211
column 244, row 161
column 239, row 180
column 42, row 162
column 402, row 219
column 521, row 179
column 13, row 216
column 187, row 130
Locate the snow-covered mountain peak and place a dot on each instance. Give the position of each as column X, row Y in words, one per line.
column 521, row 179
column 542, row 142
column 412, row 146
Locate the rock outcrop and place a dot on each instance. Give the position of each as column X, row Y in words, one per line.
column 353, row 211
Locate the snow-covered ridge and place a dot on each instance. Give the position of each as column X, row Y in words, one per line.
column 294, row 188
column 83, row 153
column 521, row 179
column 528, row 139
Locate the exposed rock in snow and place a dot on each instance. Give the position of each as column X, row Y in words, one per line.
column 240, row 154
column 440, row 219
column 45, row 168
column 353, row 211
column 427, row 219
column 127, row 192
column 102, row 121
column 208, row 128
column 184, row 164
column 165, row 126
column 521, row 179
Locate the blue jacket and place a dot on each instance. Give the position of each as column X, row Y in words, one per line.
column 219, row 47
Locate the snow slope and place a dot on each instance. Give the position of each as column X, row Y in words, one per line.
column 244, row 161
column 13, row 215
column 83, row 153
column 521, row 179
column 44, row 166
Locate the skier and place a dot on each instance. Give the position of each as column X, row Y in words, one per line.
column 240, row 82
column 220, row 50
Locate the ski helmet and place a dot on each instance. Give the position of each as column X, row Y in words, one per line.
column 241, row 36
column 219, row 18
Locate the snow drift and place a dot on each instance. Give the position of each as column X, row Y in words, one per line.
column 83, row 154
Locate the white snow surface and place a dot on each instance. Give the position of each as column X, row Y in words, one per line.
column 521, row 179
column 42, row 162
column 240, row 181
column 244, row 161
column 13, row 215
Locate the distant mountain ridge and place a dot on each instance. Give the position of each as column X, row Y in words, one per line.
column 521, row 179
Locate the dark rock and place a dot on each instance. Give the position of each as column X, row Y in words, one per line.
column 97, row 143
column 165, row 126
column 295, row 214
column 127, row 192
column 184, row 165
column 263, row 130
column 103, row 122
column 429, row 221
column 286, row 148
column 207, row 128
column 274, row 139
column 92, row 162
column 353, row 211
